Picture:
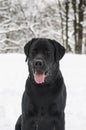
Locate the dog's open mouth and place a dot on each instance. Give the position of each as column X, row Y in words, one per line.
column 39, row 77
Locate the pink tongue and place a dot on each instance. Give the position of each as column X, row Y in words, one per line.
column 39, row 77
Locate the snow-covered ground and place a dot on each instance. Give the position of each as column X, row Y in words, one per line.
column 13, row 74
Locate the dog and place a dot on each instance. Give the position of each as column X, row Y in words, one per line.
column 44, row 98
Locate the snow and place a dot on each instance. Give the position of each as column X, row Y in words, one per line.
column 74, row 71
column 13, row 74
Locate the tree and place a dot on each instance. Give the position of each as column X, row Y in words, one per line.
column 75, row 25
column 62, row 21
column 78, row 47
column 78, row 8
column 67, row 27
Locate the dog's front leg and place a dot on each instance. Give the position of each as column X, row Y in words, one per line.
column 60, row 122
column 18, row 124
column 45, row 125
column 29, row 124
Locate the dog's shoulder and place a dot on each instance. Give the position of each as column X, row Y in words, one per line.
column 59, row 84
column 28, row 85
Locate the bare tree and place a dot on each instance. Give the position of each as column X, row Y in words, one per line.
column 67, row 2
column 75, row 25
column 62, row 21
column 78, row 8
column 78, row 48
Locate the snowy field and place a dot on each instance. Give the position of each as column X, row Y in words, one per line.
column 13, row 74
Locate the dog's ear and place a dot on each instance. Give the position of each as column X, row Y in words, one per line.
column 27, row 47
column 59, row 50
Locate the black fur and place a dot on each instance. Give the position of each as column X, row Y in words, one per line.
column 43, row 104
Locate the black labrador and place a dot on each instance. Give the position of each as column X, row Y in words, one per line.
column 44, row 99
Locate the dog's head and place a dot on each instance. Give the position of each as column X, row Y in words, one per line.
column 43, row 57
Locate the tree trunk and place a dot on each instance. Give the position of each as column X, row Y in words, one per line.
column 75, row 23
column 80, row 27
column 62, row 20
column 67, row 15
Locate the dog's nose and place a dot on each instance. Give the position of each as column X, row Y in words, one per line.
column 38, row 63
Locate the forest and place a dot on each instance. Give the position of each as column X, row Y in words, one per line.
column 64, row 21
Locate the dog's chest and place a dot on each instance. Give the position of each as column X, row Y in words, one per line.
column 43, row 97
column 44, row 104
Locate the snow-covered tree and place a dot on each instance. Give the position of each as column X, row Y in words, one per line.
column 21, row 20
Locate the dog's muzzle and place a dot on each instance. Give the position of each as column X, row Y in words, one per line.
column 39, row 73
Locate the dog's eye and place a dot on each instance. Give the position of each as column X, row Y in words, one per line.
column 34, row 51
column 47, row 52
